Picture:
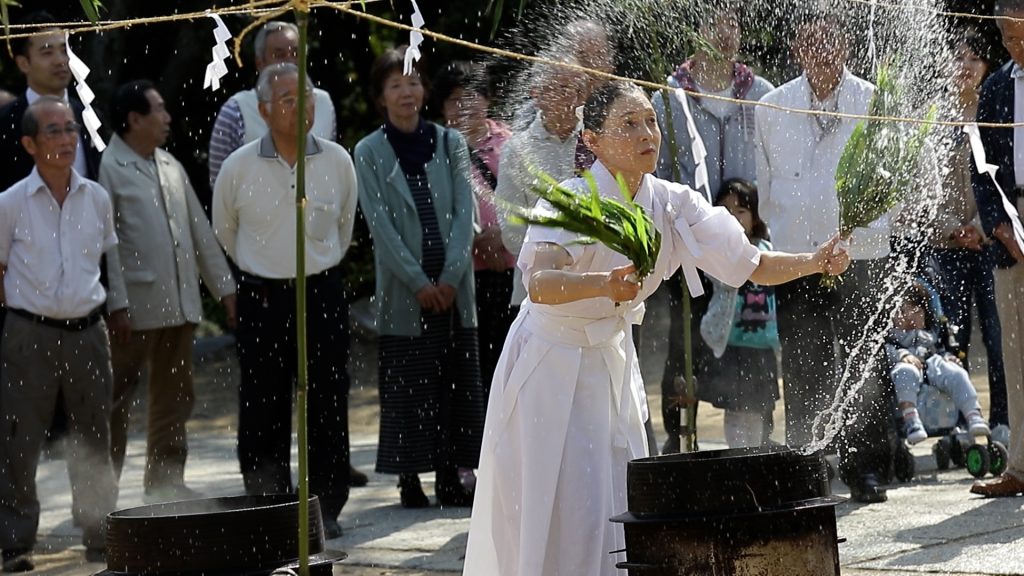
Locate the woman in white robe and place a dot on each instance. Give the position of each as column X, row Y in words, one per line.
column 567, row 405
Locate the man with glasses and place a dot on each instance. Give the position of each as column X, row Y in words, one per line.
column 54, row 228
column 254, row 218
column 43, row 59
column 239, row 121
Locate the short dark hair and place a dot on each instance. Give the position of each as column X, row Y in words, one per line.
column 746, row 196
column 390, row 61
column 459, row 74
column 984, row 46
column 595, row 111
column 129, row 97
column 29, row 123
column 837, row 18
column 38, row 19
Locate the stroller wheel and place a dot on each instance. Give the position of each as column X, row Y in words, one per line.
column 903, row 464
column 977, row 460
column 956, row 451
column 998, row 458
column 941, row 451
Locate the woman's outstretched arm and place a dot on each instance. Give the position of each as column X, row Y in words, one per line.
column 781, row 267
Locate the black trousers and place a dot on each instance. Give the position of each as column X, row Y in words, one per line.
column 675, row 361
column 494, row 314
column 267, row 354
column 821, row 332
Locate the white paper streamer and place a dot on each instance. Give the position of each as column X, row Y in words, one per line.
column 978, row 149
column 217, row 69
column 79, row 70
column 412, row 54
column 872, row 49
column 697, row 148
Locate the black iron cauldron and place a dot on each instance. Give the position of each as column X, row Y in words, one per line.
column 239, row 535
column 743, row 512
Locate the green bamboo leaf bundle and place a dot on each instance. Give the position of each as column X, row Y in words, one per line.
column 879, row 163
column 621, row 226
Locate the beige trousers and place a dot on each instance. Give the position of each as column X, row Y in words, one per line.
column 168, row 354
column 1010, row 302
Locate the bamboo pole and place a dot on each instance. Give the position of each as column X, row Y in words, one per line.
column 301, row 20
column 689, row 428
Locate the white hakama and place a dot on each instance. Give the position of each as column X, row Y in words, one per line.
column 567, row 406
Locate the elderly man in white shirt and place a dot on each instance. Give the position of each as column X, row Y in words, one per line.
column 254, row 218
column 547, row 146
column 54, row 228
column 797, row 159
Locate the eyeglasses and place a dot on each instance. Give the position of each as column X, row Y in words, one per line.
column 53, row 131
column 290, row 102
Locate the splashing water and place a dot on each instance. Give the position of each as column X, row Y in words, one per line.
column 651, row 38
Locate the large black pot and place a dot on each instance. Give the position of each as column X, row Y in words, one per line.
column 239, row 535
column 754, row 511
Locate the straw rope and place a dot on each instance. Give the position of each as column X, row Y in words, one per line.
column 273, row 8
column 645, row 83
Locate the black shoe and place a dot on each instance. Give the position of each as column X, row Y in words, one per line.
column 18, row 560
column 866, row 490
column 98, row 555
column 332, row 529
column 411, row 491
column 356, row 479
column 451, row 492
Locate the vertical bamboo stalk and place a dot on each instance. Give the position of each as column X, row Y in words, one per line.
column 301, row 20
column 690, row 432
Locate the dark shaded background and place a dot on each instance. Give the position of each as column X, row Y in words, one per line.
column 342, row 48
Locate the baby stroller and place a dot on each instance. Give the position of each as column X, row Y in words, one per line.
column 937, row 410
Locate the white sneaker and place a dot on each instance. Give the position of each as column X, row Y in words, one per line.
column 977, row 426
column 915, row 431
column 1001, row 434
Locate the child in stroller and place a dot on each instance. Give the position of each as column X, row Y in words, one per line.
column 917, row 354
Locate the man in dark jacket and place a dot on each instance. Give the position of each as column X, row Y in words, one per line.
column 43, row 59
column 1002, row 101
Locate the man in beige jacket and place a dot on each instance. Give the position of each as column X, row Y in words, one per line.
column 167, row 244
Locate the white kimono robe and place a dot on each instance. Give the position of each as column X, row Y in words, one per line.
column 567, row 405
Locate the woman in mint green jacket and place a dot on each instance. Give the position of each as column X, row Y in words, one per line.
column 415, row 193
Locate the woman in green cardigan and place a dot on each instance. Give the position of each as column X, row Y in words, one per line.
column 414, row 191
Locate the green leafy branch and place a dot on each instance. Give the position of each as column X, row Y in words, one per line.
column 621, row 226
column 880, row 161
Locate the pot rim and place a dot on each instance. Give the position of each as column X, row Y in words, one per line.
column 133, row 513
column 315, row 560
column 630, row 518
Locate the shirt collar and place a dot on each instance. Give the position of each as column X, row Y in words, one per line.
column 31, row 95
column 1016, row 72
column 267, row 149
column 833, row 99
column 36, row 184
column 124, row 153
column 608, row 186
column 539, row 132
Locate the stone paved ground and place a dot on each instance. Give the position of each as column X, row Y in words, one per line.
column 929, row 526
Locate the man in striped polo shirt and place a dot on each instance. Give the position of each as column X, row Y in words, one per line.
column 239, row 121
